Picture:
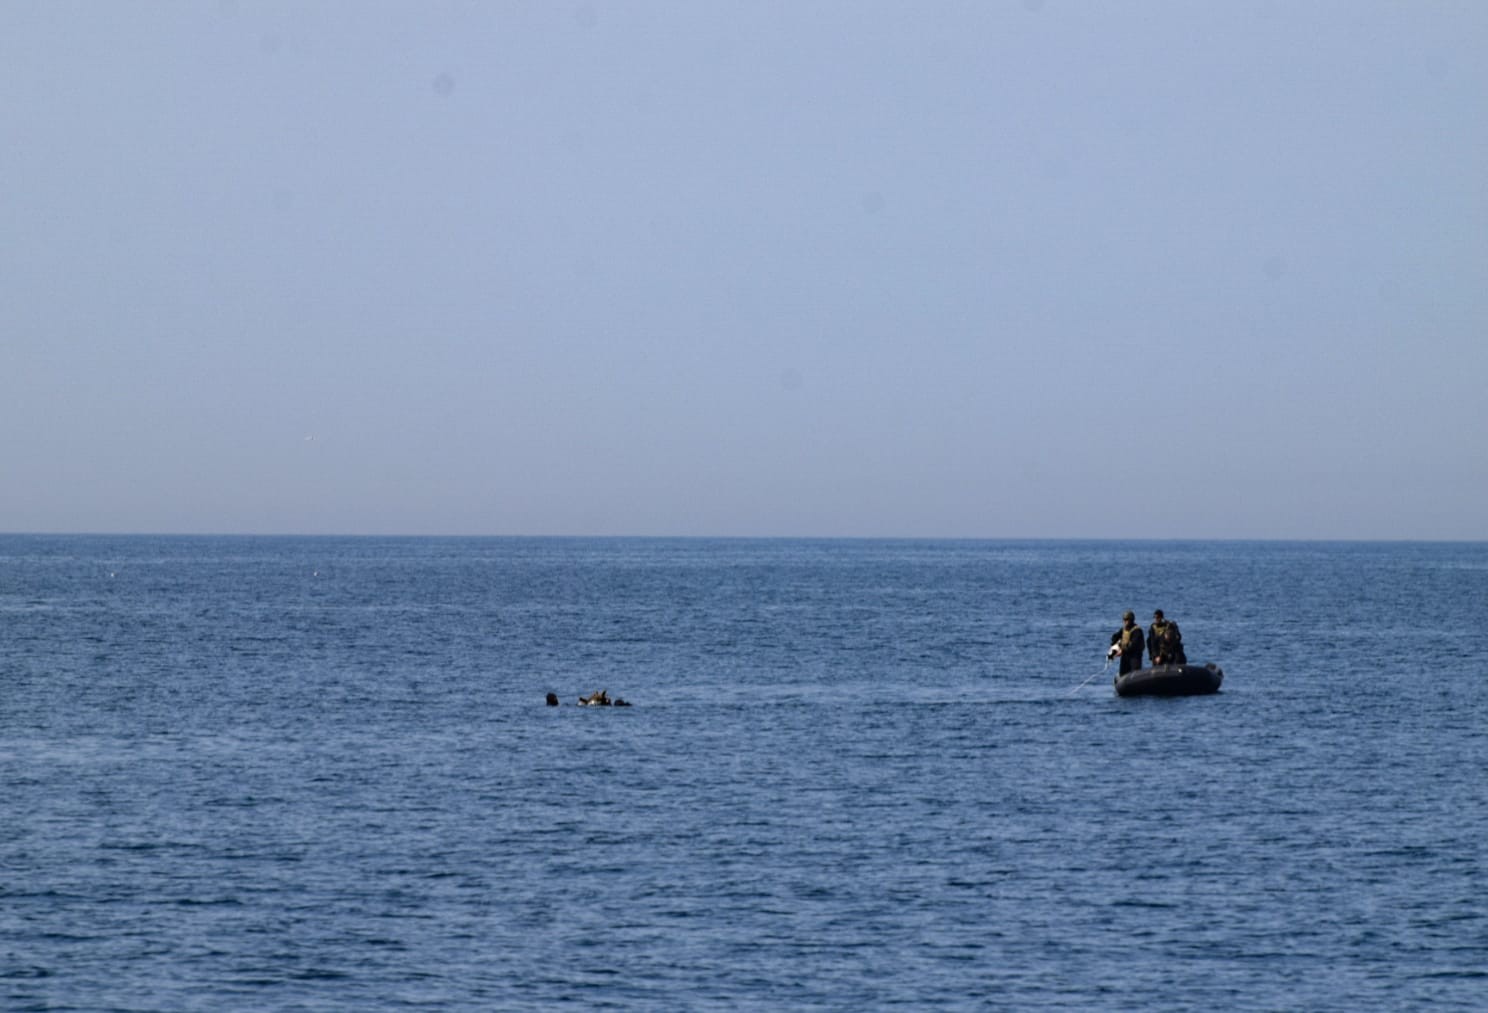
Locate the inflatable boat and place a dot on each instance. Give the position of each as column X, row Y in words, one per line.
column 1171, row 680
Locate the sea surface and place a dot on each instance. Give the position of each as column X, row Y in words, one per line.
column 319, row 774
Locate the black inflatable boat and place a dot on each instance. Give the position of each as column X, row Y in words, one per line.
column 1171, row 680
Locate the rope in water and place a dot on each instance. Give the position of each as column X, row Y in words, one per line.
column 1087, row 681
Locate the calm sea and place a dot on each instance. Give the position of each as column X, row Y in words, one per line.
column 318, row 774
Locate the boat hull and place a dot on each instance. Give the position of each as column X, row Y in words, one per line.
column 1171, row 680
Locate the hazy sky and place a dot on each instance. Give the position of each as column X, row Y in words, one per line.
column 844, row 267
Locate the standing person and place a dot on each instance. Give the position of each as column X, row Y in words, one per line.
column 1164, row 642
column 1128, row 644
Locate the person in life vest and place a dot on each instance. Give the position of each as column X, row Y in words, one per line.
column 1127, row 644
column 1164, row 642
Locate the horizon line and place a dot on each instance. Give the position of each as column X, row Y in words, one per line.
column 404, row 536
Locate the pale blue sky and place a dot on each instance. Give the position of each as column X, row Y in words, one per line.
column 844, row 267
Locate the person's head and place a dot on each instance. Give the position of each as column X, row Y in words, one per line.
column 552, row 699
column 1129, row 617
column 1157, row 616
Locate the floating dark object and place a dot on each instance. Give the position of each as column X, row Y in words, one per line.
column 1171, row 680
column 601, row 698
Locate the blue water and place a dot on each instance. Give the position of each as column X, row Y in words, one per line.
column 318, row 774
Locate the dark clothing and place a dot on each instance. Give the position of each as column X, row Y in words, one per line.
column 1165, row 643
column 1132, row 646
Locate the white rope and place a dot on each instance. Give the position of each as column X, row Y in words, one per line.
column 1087, row 681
